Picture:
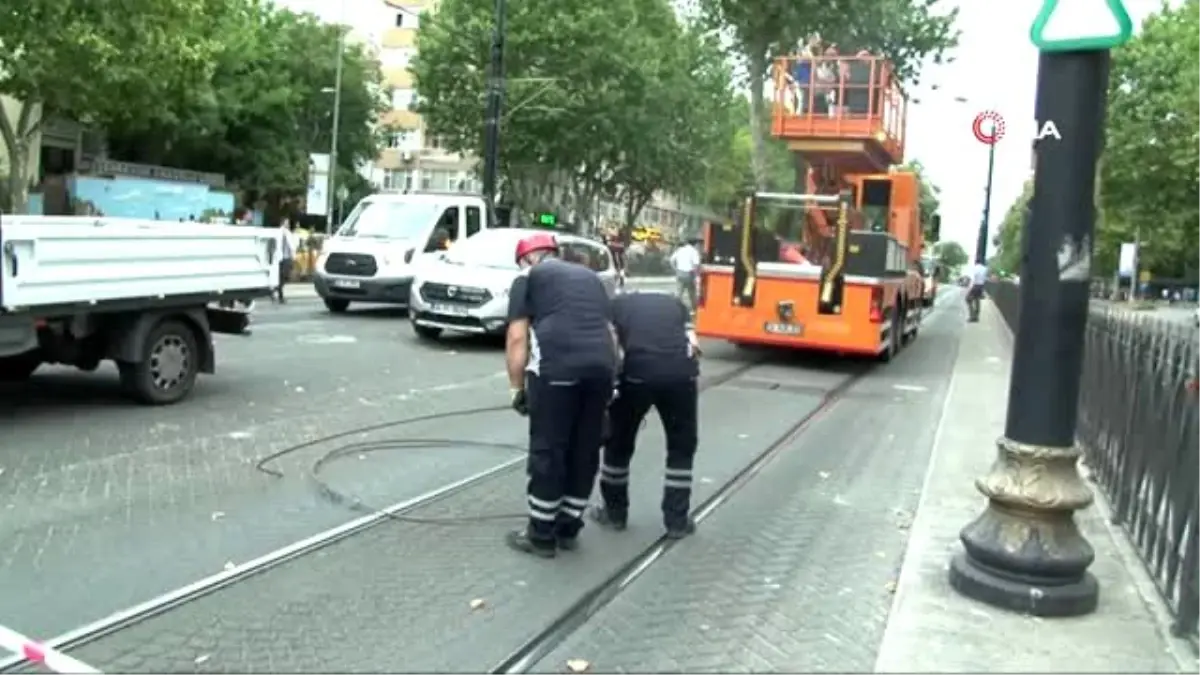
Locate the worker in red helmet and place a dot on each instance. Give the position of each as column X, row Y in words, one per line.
column 561, row 356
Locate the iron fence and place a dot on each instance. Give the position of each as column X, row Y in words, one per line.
column 1139, row 427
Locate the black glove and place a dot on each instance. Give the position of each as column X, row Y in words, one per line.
column 519, row 402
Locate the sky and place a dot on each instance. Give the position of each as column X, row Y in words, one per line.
column 995, row 68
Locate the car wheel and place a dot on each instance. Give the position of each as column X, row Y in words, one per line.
column 20, row 367
column 336, row 305
column 426, row 332
column 170, row 362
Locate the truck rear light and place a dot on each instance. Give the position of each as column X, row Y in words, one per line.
column 876, row 305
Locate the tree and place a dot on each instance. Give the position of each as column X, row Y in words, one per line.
column 951, row 256
column 268, row 105
column 1010, row 236
column 85, row 60
column 904, row 31
column 616, row 99
column 1150, row 174
column 930, row 200
column 732, row 173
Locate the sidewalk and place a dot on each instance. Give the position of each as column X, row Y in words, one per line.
column 932, row 629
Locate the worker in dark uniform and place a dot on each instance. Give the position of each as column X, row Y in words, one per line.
column 660, row 369
column 561, row 355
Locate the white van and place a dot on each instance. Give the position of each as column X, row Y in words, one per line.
column 372, row 257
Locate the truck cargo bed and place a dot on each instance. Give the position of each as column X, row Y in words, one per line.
column 51, row 261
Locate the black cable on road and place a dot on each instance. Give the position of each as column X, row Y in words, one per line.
column 261, row 465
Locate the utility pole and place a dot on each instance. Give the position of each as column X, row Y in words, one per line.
column 1024, row 552
column 982, row 242
column 333, row 143
column 495, row 104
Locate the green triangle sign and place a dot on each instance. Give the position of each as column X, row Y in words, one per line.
column 1080, row 25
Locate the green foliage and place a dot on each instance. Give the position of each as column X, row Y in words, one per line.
column 268, row 105
column 99, row 65
column 1010, row 235
column 951, row 256
column 235, row 87
column 930, row 200
column 906, row 31
column 619, row 98
column 731, row 175
column 1151, row 169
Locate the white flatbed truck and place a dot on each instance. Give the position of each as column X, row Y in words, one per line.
column 145, row 294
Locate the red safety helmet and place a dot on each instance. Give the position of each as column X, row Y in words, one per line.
column 539, row 241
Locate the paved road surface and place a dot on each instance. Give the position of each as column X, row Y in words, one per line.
column 109, row 504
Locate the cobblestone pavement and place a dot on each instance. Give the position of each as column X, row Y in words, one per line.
column 399, row 597
column 795, row 572
column 104, row 504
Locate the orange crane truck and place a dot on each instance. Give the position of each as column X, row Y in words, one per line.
column 856, row 286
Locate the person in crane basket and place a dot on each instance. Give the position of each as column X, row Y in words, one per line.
column 561, row 356
column 659, row 370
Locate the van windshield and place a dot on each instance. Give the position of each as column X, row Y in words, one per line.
column 390, row 220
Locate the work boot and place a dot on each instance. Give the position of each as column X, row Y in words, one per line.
column 519, row 540
column 679, row 531
column 607, row 518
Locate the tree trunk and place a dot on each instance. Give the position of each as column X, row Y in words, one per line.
column 757, row 64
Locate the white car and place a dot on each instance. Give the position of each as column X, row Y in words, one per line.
column 465, row 290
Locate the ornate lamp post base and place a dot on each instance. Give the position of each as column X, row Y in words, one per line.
column 1024, row 552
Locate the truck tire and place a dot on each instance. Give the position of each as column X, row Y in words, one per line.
column 167, row 371
column 426, row 332
column 19, row 367
column 895, row 336
column 336, row 305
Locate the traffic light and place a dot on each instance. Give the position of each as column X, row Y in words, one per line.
column 935, row 228
column 546, row 220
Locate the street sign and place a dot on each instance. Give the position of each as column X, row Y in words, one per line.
column 1080, row 25
column 547, row 219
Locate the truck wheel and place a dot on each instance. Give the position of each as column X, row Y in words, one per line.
column 337, row 306
column 426, row 332
column 167, row 370
column 895, row 335
column 18, row 368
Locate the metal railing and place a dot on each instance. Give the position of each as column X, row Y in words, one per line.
column 1139, row 428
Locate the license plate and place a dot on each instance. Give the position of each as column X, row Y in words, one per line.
column 346, row 283
column 785, row 328
column 451, row 310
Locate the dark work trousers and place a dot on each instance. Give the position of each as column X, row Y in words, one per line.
column 676, row 402
column 566, row 420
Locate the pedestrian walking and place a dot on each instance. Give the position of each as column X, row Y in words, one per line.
column 659, row 370
column 561, row 357
column 286, row 244
column 686, row 262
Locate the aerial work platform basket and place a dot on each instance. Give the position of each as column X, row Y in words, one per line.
column 847, row 111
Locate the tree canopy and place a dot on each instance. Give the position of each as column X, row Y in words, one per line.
column 1149, row 185
column 235, row 87
column 617, row 99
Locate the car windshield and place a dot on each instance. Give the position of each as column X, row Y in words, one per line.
column 490, row 248
column 390, row 219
